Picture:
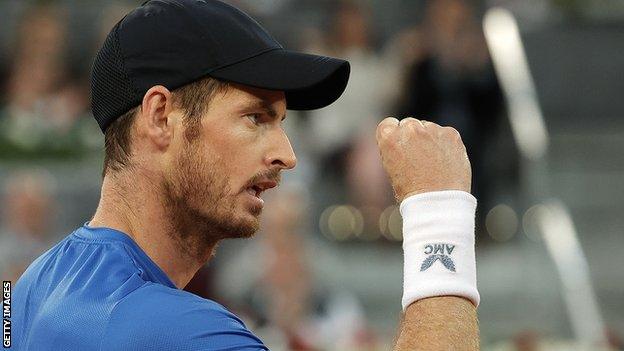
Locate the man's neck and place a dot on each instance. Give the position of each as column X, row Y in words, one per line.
column 138, row 211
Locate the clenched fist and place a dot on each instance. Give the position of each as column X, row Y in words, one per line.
column 421, row 156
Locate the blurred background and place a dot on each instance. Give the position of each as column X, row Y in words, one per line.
column 325, row 273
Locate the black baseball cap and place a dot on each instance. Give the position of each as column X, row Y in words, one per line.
column 176, row 42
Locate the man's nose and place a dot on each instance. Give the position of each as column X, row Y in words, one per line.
column 281, row 154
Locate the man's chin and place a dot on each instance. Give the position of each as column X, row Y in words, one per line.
column 243, row 232
column 252, row 224
column 245, row 226
column 241, row 221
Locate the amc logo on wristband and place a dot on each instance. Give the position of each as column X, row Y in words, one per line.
column 438, row 252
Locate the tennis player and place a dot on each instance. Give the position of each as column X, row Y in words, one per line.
column 191, row 95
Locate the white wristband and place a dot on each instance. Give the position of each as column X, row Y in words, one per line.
column 438, row 246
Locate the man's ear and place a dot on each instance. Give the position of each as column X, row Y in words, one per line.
column 156, row 123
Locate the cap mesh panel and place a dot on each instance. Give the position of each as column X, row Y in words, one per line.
column 112, row 92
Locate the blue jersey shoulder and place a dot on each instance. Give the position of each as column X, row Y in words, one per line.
column 156, row 317
column 97, row 290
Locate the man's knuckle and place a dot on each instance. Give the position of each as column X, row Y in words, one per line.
column 386, row 126
column 451, row 130
column 411, row 128
column 452, row 133
column 409, row 121
column 386, row 132
column 430, row 125
column 388, row 121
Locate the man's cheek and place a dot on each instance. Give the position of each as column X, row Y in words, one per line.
column 237, row 179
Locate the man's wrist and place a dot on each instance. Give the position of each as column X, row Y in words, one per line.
column 438, row 245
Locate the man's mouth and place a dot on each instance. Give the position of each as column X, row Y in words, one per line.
column 254, row 191
column 259, row 187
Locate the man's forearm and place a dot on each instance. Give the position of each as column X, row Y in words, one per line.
column 430, row 173
column 439, row 323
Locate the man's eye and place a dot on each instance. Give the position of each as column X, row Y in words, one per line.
column 256, row 118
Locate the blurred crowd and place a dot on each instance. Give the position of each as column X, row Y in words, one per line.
column 45, row 104
column 436, row 67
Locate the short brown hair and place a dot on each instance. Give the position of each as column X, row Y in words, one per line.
column 193, row 98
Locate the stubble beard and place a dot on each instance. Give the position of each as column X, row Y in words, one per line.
column 200, row 205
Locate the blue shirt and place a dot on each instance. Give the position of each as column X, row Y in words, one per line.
column 97, row 290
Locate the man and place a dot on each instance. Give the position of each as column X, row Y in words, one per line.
column 191, row 95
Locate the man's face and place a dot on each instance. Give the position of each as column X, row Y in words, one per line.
column 214, row 185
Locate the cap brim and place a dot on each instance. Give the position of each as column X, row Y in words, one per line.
column 308, row 81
